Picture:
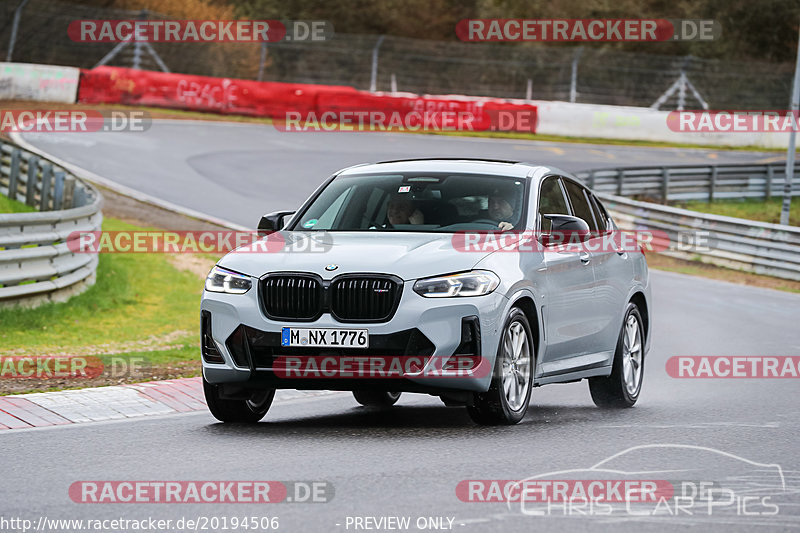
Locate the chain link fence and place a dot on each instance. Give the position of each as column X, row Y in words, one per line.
column 531, row 70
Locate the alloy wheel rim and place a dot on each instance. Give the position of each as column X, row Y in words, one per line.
column 632, row 355
column 516, row 365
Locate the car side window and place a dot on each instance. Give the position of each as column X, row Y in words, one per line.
column 551, row 201
column 580, row 204
column 599, row 213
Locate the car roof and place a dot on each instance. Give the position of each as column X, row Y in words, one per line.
column 498, row 167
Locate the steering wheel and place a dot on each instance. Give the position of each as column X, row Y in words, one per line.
column 485, row 221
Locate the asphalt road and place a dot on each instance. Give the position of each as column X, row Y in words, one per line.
column 238, row 172
column 408, row 462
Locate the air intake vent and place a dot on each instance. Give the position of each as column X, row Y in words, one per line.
column 207, row 346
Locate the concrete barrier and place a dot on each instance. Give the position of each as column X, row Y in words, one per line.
column 41, row 83
column 637, row 124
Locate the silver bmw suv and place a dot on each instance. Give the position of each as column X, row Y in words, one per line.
column 470, row 280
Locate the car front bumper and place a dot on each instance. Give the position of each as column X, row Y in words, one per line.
column 239, row 318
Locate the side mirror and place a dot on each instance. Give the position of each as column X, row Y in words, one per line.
column 273, row 221
column 565, row 229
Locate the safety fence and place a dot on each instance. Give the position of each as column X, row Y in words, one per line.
column 36, row 264
column 35, row 31
column 757, row 247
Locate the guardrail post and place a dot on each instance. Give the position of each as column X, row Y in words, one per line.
column 69, row 191
column 664, row 184
column 47, row 176
column 58, row 190
column 262, row 60
column 79, row 198
column 30, row 186
column 373, row 80
column 14, row 28
column 768, row 188
column 13, row 174
column 712, row 183
column 620, row 177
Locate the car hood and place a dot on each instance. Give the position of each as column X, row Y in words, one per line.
column 407, row 255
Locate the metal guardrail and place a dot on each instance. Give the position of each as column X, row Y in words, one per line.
column 36, row 264
column 758, row 247
column 692, row 182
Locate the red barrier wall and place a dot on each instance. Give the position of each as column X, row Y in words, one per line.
column 199, row 93
column 273, row 99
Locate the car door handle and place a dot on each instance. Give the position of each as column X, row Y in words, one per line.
column 585, row 258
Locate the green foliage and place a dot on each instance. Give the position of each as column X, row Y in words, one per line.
column 751, row 209
column 751, row 29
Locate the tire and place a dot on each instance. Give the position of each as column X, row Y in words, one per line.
column 250, row 411
column 621, row 389
column 376, row 398
column 506, row 401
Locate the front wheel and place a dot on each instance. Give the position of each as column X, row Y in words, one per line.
column 372, row 398
column 250, row 410
column 621, row 389
column 507, row 399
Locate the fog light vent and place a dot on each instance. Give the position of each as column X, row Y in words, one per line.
column 208, row 346
column 470, row 337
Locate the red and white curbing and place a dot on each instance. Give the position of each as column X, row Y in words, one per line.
column 117, row 402
column 102, row 403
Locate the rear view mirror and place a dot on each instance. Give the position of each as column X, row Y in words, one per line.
column 565, row 229
column 273, row 221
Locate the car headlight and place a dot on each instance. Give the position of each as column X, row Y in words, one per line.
column 475, row 283
column 227, row 281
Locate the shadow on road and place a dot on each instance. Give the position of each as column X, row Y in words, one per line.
column 402, row 421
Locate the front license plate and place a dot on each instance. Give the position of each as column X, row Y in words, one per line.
column 325, row 337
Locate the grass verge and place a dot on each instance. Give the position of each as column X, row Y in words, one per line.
column 142, row 306
column 750, row 209
column 7, row 205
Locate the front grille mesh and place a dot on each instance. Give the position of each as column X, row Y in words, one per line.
column 350, row 298
column 363, row 298
column 292, row 296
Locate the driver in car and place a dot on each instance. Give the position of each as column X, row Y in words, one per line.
column 501, row 211
column 403, row 211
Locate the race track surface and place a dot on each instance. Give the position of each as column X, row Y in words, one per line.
column 408, row 461
column 238, row 172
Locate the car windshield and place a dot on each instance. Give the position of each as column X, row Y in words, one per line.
column 418, row 202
